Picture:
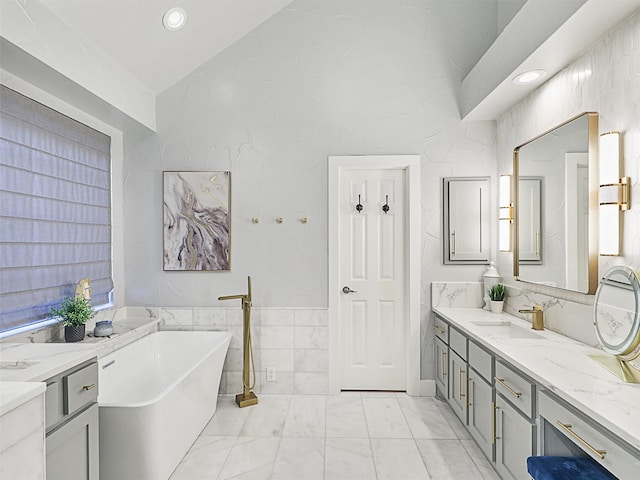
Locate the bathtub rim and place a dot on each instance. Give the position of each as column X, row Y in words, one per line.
column 178, row 380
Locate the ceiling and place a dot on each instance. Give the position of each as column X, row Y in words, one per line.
column 132, row 34
column 487, row 41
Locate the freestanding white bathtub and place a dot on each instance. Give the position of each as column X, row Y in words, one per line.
column 156, row 396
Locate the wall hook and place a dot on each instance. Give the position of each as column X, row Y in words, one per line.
column 359, row 206
column 255, row 220
column 385, row 207
column 304, row 220
column 279, row 220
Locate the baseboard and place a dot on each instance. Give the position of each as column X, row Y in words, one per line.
column 427, row 388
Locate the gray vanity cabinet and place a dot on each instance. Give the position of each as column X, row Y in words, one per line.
column 515, row 441
column 458, row 385
column 442, row 367
column 515, row 423
column 495, row 402
column 458, row 373
column 480, row 398
column 480, row 419
column 72, row 450
column 71, row 416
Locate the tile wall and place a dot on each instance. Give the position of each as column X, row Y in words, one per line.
column 568, row 318
column 293, row 340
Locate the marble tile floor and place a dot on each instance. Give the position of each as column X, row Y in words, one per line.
column 368, row 436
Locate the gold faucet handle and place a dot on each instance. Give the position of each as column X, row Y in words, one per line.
column 232, row 297
column 533, row 309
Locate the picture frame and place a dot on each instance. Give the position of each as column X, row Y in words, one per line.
column 196, row 220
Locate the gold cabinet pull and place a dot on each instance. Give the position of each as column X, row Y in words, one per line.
column 511, row 390
column 538, row 244
column 443, row 360
column 453, row 249
column 89, row 387
column 567, row 428
column 438, row 329
column 460, row 375
column 494, row 407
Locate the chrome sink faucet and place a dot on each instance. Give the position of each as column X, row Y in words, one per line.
column 537, row 317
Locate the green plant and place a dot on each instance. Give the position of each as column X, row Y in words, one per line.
column 497, row 292
column 73, row 311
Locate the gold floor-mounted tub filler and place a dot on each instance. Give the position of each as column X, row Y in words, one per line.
column 247, row 397
column 617, row 322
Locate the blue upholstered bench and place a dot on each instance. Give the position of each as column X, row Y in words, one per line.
column 566, row 468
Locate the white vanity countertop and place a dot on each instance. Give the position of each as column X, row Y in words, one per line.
column 14, row 394
column 36, row 362
column 561, row 364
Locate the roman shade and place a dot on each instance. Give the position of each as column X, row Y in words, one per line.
column 55, row 209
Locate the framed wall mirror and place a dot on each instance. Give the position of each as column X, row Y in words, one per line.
column 556, row 206
column 467, row 220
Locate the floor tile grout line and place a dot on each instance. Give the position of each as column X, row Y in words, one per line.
column 226, row 458
column 426, row 468
column 478, row 467
column 366, row 423
column 281, row 436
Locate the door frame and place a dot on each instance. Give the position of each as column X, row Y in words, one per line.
column 411, row 165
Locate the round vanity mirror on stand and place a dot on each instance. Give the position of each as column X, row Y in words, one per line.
column 616, row 318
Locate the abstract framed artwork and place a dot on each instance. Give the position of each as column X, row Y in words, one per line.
column 197, row 221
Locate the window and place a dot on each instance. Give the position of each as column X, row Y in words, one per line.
column 55, row 210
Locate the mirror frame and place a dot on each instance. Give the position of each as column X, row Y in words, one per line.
column 629, row 347
column 593, row 201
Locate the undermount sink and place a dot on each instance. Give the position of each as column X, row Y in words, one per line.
column 505, row 328
column 491, row 323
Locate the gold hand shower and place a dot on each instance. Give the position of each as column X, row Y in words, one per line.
column 247, row 397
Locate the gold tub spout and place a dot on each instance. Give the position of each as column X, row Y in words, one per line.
column 247, row 397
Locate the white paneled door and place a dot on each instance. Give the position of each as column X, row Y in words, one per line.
column 372, row 275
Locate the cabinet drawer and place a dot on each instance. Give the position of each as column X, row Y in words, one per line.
column 590, row 438
column 458, row 342
column 81, row 388
column 515, row 388
column 442, row 329
column 481, row 361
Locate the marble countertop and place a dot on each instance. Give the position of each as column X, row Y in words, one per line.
column 558, row 363
column 24, row 363
column 14, row 394
column 36, row 362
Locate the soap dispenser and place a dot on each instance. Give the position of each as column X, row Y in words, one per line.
column 490, row 277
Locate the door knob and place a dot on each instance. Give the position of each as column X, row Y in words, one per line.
column 348, row 290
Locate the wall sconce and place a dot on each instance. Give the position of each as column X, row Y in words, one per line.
column 614, row 193
column 505, row 215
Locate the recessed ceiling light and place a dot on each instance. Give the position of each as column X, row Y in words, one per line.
column 174, row 18
column 528, row 77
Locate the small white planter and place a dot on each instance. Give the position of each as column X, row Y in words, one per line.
column 497, row 306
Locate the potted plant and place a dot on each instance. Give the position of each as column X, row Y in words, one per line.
column 74, row 312
column 497, row 293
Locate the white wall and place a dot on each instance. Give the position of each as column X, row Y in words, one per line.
column 612, row 88
column 30, row 26
column 317, row 79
